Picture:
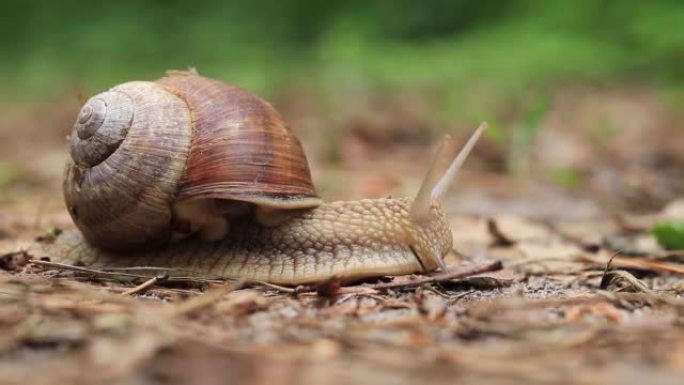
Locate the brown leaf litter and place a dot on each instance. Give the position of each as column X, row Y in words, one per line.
column 523, row 307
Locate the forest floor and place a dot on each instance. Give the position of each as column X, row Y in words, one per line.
column 554, row 311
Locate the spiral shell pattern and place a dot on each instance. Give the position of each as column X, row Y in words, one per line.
column 101, row 126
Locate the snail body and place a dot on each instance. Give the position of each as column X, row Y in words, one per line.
column 191, row 157
column 349, row 240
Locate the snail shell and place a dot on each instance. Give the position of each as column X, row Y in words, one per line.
column 174, row 156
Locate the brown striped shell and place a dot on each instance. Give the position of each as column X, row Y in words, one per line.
column 143, row 152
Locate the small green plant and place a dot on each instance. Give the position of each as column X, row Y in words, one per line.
column 525, row 134
column 8, row 174
column 670, row 235
column 566, row 177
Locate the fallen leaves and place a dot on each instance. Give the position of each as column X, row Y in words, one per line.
column 477, row 321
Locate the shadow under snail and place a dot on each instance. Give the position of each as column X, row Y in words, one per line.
column 190, row 157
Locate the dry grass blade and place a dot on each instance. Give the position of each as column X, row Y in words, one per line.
column 605, row 279
column 637, row 263
column 633, row 281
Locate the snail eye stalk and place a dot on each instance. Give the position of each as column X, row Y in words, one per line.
column 442, row 173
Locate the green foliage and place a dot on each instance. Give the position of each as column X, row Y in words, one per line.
column 8, row 174
column 566, row 177
column 604, row 132
column 670, row 235
column 523, row 137
column 451, row 45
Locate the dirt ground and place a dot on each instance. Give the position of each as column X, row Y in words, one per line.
column 555, row 312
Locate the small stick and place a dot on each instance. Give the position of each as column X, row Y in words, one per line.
column 196, row 303
column 442, row 277
column 147, row 284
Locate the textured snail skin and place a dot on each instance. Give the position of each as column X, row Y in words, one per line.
column 349, row 240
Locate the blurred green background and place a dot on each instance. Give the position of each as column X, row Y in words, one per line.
column 449, row 46
column 384, row 72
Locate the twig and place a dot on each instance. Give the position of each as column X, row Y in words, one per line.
column 207, row 299
column 441, row 277
column 453, row 299
column 147, row 284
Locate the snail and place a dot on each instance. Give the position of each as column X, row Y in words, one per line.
column 192, row 176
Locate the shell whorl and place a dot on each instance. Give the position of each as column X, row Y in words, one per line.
column 129, row 147
column 101, row 126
